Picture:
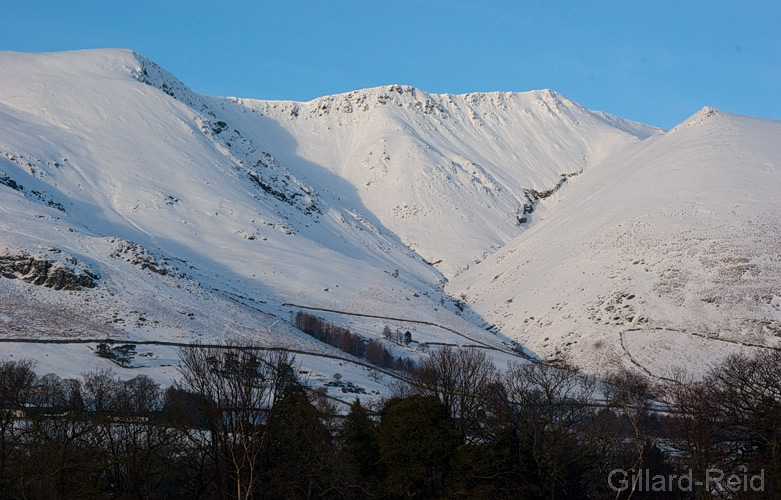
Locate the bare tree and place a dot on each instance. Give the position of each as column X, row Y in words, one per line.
column 237, row 386
column 552, row 405
column 17, row 382
column 140, row 443
column 465, row 381
column 750, row 388
column 700, row 428
column 631, row 394
column 65, row 451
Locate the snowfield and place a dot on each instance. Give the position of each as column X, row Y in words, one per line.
column 134, row 209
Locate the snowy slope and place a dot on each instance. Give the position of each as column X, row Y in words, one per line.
column 119, row 158
column 454, row 176
column 130, row 209
column 133, row 208
column 680, row 232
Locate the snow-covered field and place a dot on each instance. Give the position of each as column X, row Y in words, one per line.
column 673, row 354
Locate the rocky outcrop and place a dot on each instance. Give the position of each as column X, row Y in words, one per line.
column 45, row 272
column 139, row 256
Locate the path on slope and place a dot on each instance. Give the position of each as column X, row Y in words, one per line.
column 647, row 371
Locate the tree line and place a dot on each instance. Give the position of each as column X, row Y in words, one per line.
column 239, row 424
column 347, row 341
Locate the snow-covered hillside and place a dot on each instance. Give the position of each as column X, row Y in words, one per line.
column 100, row 158
column 681, row 233
column 454, row 176
column 134, row 208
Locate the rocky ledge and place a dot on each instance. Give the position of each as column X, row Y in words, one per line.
column 45, row 272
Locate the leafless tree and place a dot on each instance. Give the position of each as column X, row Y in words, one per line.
column 750, row 388
column 65, row 454
column 552, row 405
column 631, row 395
column 17, row 382
column 699, row 427
column 237, row 386
column 465, row 381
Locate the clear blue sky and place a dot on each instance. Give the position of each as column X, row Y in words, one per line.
column 652, row 61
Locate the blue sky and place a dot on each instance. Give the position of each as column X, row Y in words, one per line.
column 652, row 61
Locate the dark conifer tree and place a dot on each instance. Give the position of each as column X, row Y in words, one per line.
column 299, row 453
column 417, row 441
column 360, row 451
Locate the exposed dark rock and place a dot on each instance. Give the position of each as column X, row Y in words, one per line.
column 45, row 198
column 535, row 195
column 267, row 188
column 7, row 181
column 44, row 272
column 137, row 255
column 141, row 257
column 219, row 126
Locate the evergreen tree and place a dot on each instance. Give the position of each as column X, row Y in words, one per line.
column 417, row 440
column 360, row 450
column 299, row 453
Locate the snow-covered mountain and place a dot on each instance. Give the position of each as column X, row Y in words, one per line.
column 134, row 208
column 455, row 177
column 678, row 236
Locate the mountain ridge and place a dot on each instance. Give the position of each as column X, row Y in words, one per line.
column 207, row 215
